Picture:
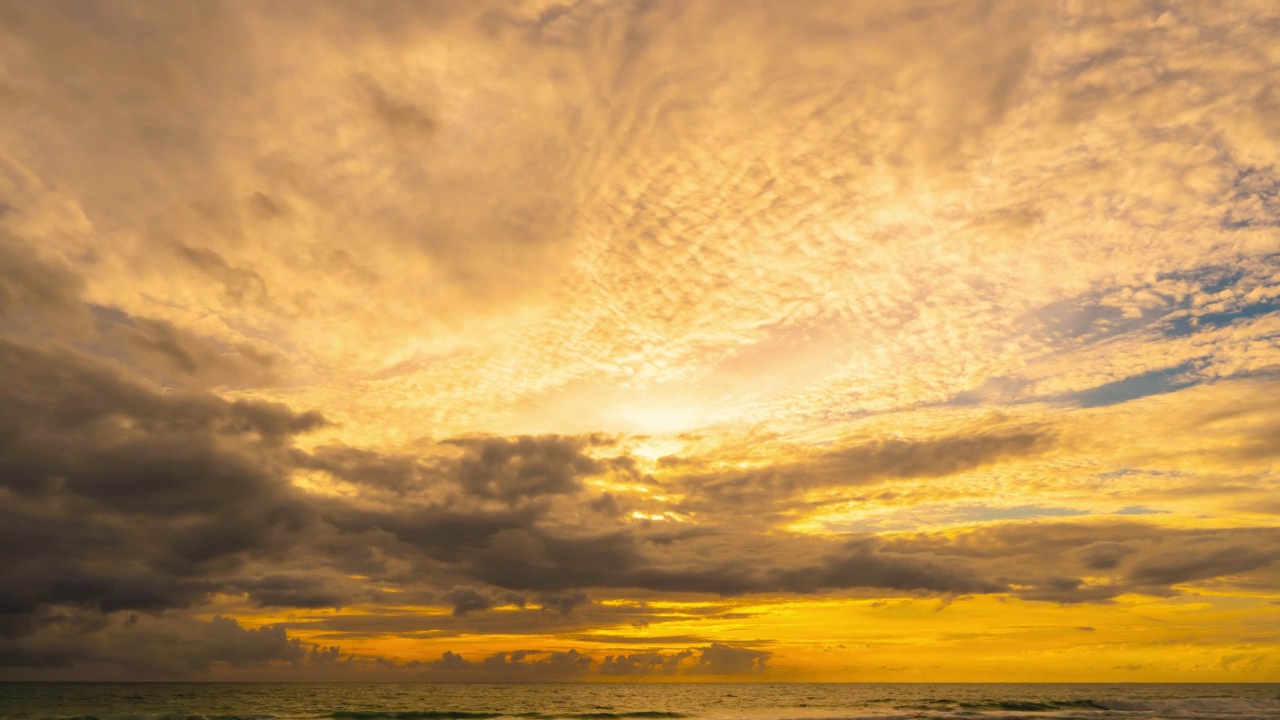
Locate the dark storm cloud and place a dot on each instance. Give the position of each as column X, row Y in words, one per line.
column 512, row 468
column 76, row 427
column 563, row 602
column 443, row 533
column 866, row 563
column 123, row 498
column 467, row 599
column 294, row 591
column 394, row 473
column 523, row 544
column 521, row 550
column 157, row 647
column 238, row 647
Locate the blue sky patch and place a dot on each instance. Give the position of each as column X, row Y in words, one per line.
column 1132, row 388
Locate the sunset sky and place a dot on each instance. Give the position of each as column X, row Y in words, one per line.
column 623, row 339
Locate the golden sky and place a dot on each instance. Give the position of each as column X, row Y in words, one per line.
column 640, row 339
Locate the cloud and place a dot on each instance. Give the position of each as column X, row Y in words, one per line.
column 195, row 491
column 170, row 352
column 32, row 289
column 644, row 664
column 860, row 463
column 239, row 284
column 508, row 469
column 158, row 648
column 94, row 463
column 563, row 602
column 1204, row 559
column 466, row 599
column 721, row 659
column 716, row 659
column 522, row 664
column 293, row 591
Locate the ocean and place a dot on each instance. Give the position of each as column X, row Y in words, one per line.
column 637, row 701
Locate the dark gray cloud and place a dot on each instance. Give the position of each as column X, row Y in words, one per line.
column 467, row 599
column 1049, row 560
column 563, row 602
column 239, row 647
column 294, row 590
column 1206, row 557
column 370, row 470
column 122, row 498
column 156, row 647
column 513, row 468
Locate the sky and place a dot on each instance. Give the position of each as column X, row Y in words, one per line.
column 640, row 340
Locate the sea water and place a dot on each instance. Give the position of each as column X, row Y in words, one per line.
column 638, row 701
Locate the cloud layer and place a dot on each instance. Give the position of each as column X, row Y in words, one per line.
column 576, row 339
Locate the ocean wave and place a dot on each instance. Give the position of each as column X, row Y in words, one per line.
column 1196, row 707
column 1207, row 708
column 1010, row 707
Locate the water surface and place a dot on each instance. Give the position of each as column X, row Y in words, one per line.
column 652, row 701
